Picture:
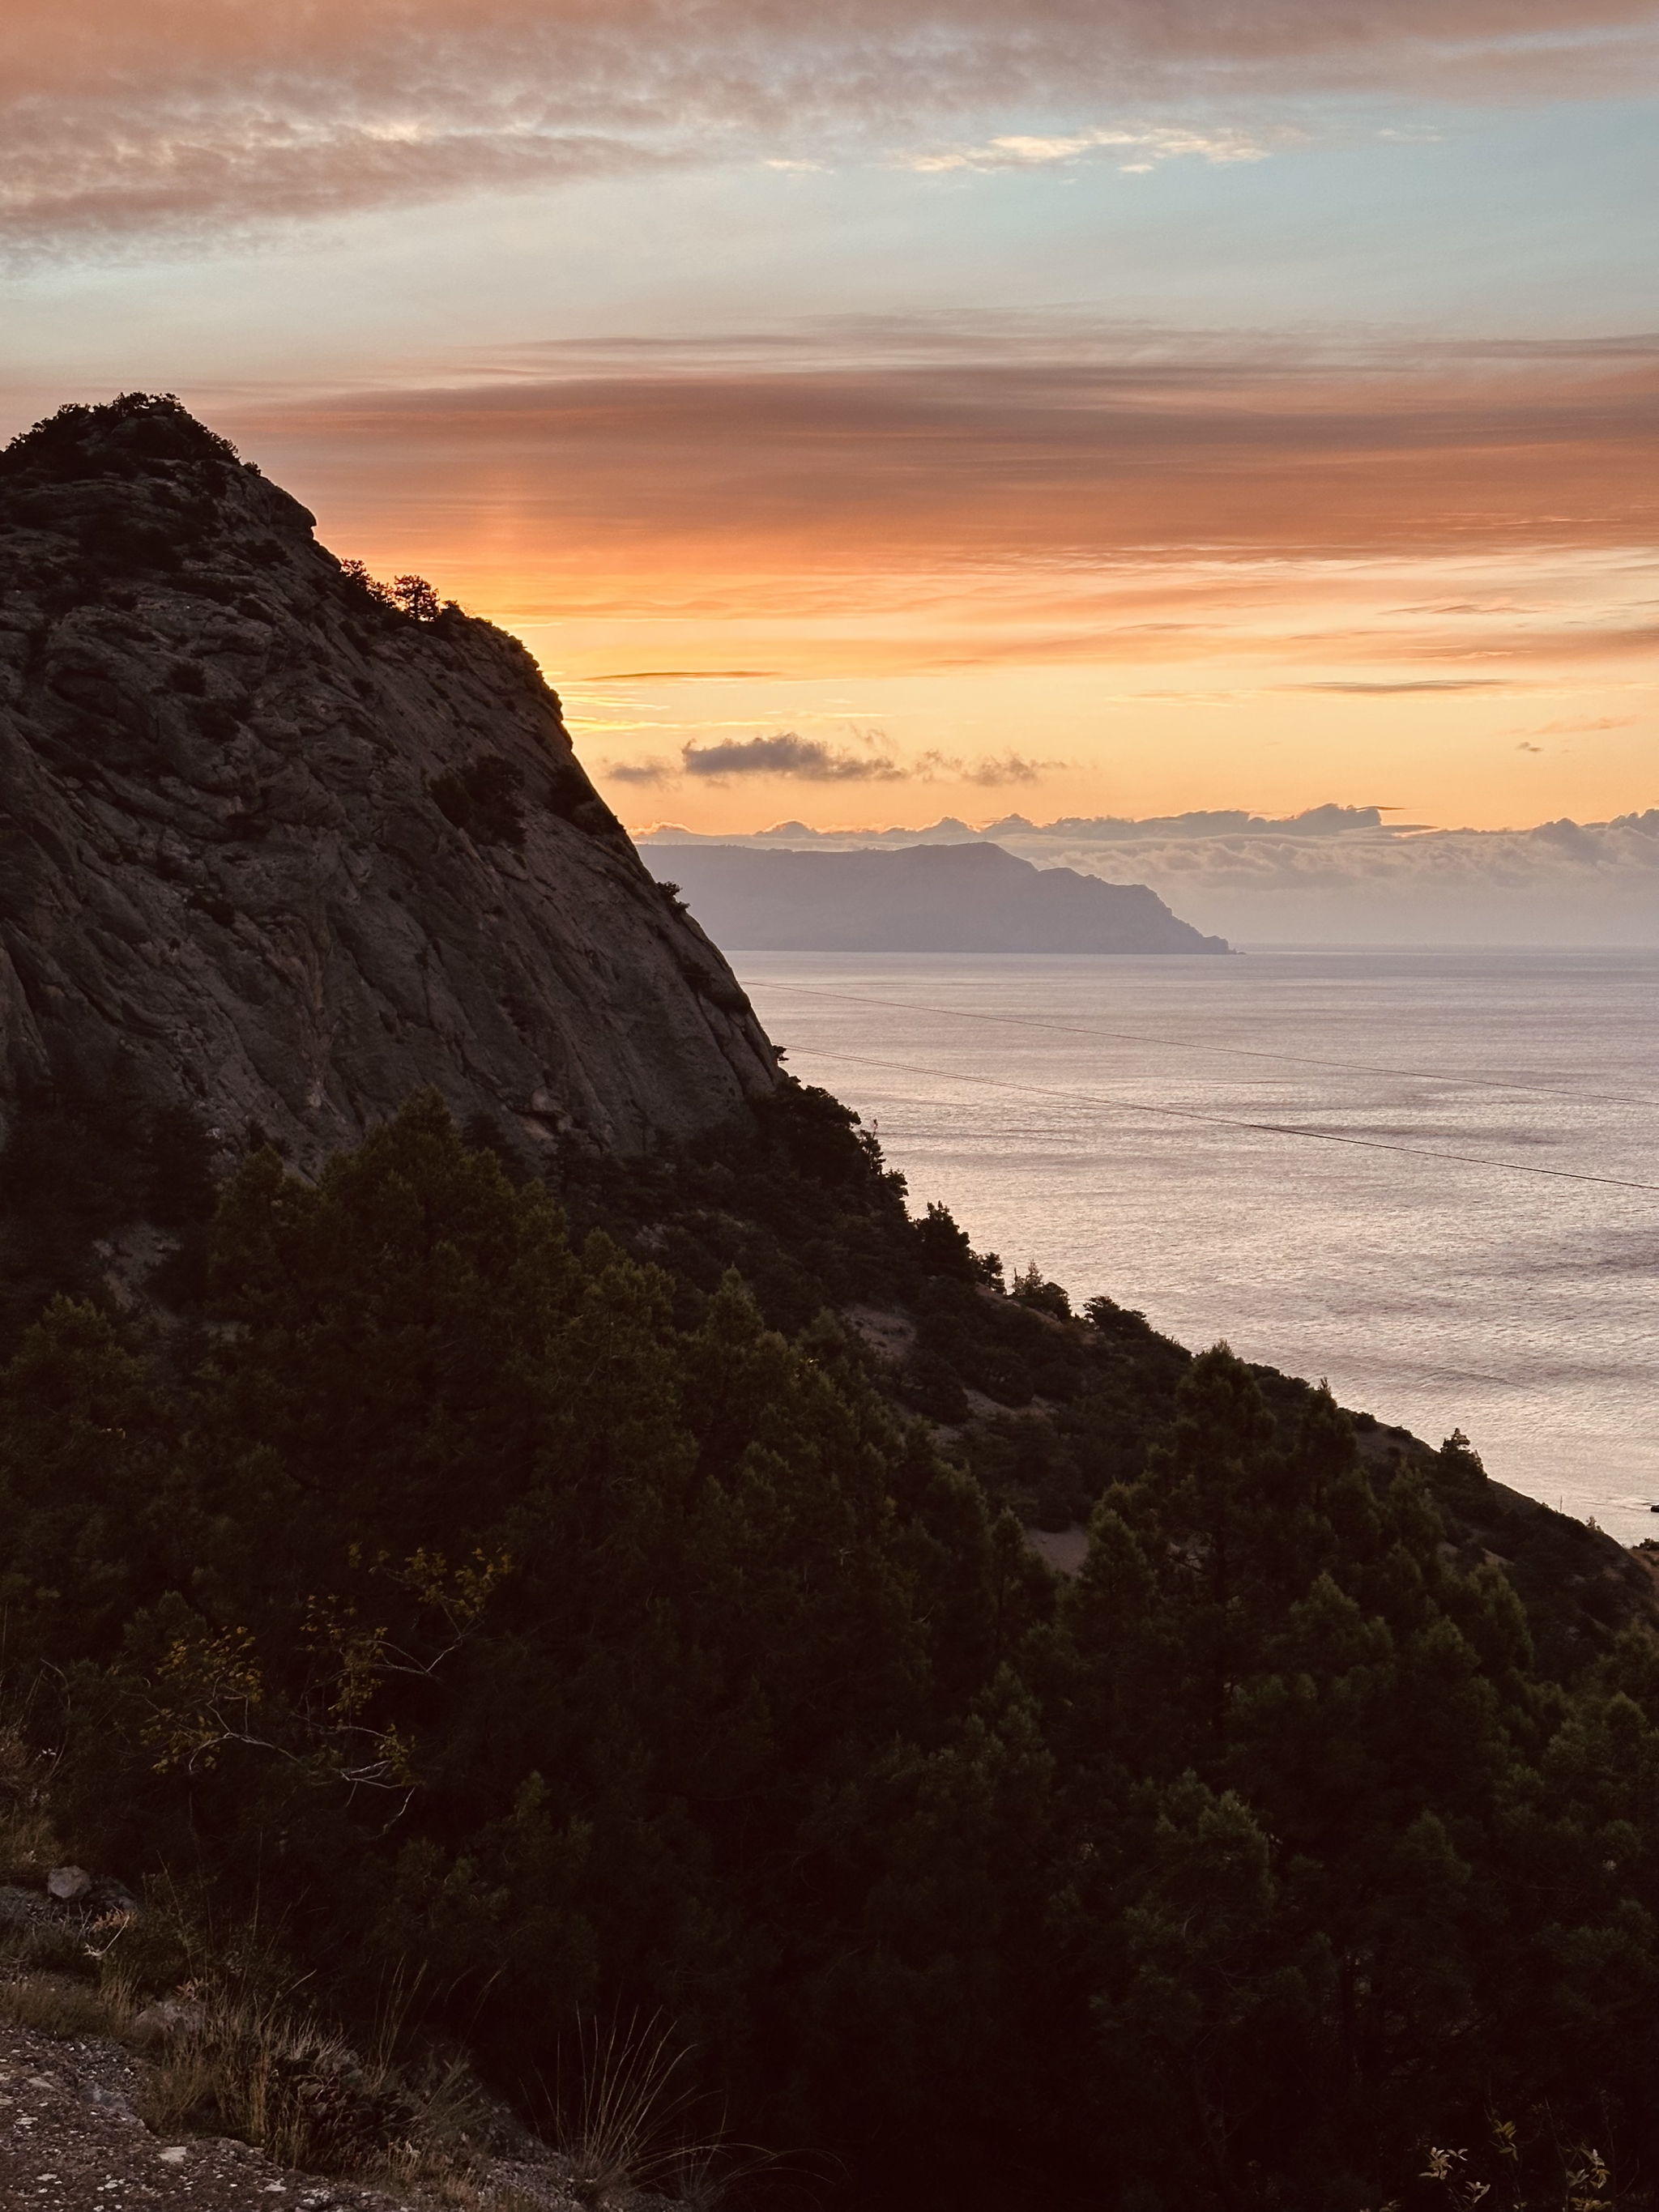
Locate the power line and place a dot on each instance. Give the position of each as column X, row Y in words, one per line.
column 1185, row 1044
column 1264, row 1129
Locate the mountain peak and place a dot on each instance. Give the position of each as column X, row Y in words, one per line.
column 286, row 844
column 130, row 434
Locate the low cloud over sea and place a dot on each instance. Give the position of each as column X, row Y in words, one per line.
column 1336, row 875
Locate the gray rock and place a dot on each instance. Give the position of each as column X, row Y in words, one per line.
column 69, row 1884
column 168, row 2017
column 273, row 849
column 107, row 1895
column 112, row 2103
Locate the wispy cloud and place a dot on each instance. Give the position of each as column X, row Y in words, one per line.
column 644, row 772
column 1110, row 444
column 1145, row 148
column 1333, row 524
column 1422, row 683
column 188, row 117
column 1583, row 726
column 989, row 774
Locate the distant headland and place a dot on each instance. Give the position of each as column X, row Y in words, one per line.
column 968, row 897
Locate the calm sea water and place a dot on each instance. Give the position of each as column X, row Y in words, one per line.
column 1431, row 1177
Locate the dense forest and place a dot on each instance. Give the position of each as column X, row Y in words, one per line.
column 540, row 1588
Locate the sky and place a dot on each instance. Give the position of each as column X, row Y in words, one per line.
column 911, row 407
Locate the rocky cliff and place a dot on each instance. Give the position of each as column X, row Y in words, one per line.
column 293, row 845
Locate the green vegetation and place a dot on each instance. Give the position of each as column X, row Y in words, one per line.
column 542, row 1592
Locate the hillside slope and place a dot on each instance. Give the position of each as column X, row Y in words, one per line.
column 291, row 849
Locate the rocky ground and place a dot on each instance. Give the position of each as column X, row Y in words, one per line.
column 83, row 2095
column 72, row 2138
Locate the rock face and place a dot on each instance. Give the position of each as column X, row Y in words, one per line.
column 926, row 898
column 292, row 849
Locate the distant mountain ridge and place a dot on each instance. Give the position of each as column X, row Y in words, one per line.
column 925, row 898
column 1332, row 876
column 1328, row 821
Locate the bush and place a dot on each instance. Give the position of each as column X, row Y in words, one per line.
column 482, row 799
column 117, row 438
column 1030, row 1289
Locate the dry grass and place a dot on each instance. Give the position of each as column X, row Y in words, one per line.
column 476, row 2189
column 243, row 2053
column 52, row 1978
column 28, row 1848
column 472, row 2192
column 632, row 2127
column 255, row 2064
column 56, row 2007
column 249, row 2057
column 253, row 2060
column 621, row 2120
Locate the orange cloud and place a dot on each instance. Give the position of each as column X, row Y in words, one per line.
column 1135, row 572
column 686, row 489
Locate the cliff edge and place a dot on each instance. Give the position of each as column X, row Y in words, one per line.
column 290, row 845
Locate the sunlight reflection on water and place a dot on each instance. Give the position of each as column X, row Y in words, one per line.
column 1106, row 1118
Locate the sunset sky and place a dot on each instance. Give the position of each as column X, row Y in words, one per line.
column 1093, row 407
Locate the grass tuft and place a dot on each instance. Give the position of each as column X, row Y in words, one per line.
column 53, row 2006
column 255, row 2064
column 626, row 2119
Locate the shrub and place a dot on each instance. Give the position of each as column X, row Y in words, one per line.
column 115, row 438
column 482, row 798
column 1030, row 1289
column 411, row 596
column 943, row 1247
column 416, row 597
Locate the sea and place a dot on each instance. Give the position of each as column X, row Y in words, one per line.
column 1431, row 1177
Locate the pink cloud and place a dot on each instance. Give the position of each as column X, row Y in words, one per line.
column 911, row 461
column 122, row 119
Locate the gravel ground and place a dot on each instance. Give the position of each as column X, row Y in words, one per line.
column 70, row 2140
